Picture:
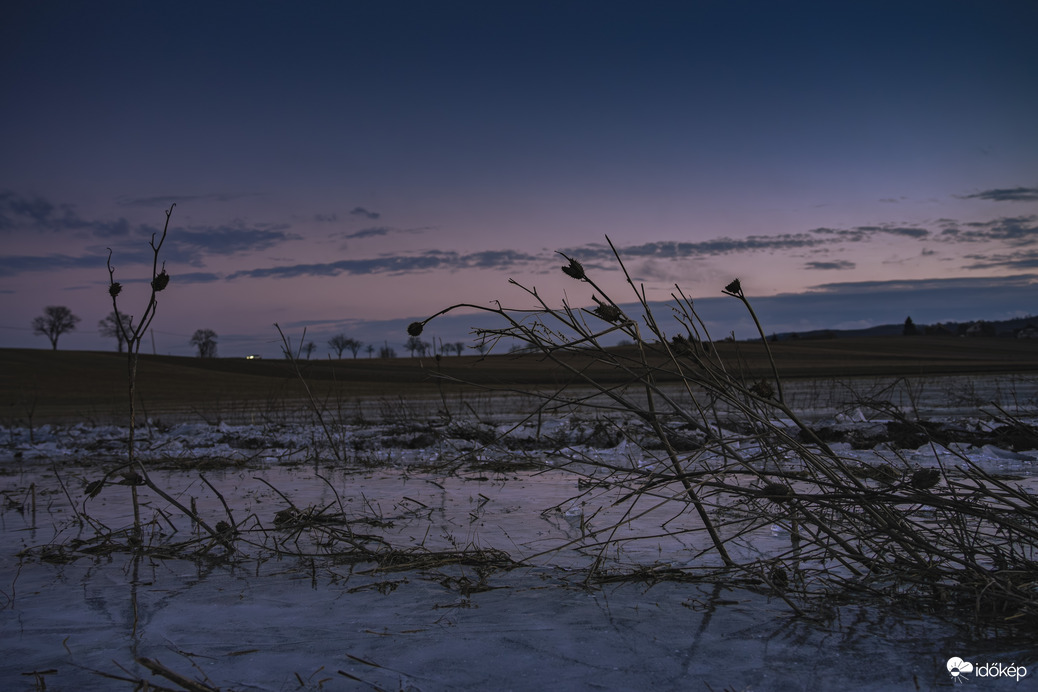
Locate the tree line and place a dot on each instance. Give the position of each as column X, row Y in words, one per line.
column 57, row 320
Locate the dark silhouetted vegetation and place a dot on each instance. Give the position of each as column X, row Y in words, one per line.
column 55, row 321
column 116, row 326
column 341, row 342
column 205, row 341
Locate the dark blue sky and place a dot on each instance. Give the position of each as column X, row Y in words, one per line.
column 338, row 165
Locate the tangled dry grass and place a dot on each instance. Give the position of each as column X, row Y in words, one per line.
column 940, row 535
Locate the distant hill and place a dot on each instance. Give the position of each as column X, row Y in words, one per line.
column 998, row 328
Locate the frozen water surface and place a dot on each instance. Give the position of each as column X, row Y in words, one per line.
column 260, row 621
column 261, row 628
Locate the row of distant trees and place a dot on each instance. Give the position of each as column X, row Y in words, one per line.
column 340, row 343
column 58, row 319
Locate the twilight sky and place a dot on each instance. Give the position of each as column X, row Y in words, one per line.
column 348, row 167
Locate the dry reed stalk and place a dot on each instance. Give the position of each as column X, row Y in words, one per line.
column 847, row 529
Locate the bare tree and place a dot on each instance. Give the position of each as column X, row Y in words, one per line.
column 338, row 344
column 205, row 341
column 309, row 349
column 416, row 344
column 459, row 347
column 116, row 326
column 370, row 349
column 341, row 342
column 386, row 352
column 354, row 345
column 55, row 321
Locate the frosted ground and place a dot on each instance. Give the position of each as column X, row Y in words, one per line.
column 493, row 516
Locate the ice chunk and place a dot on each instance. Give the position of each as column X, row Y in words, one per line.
column 999, row 453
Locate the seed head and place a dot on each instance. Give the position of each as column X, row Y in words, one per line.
column 779, row 577
column 574, row 269
column 734, row 288
column 763, row 389
column 609, row 313
column 160, row 282
column 924, row 479
column 884, row 473
column 132, row 478
column 777, row 492
column 115, row 288
column 286, row 516
column 680, row 345
column 415, row 328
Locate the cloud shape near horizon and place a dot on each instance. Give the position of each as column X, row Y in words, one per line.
column 229, row 240
column 34, row 213
column 1006, row 194
column 857, row 234
column 12, row 265
column 835, row 264
column 910, row 286
column 395, row 264
column 165, row 201
column 669, row 249
column 361, row 211
column 377, row 231
column 1015, row 230
column 1018, row 259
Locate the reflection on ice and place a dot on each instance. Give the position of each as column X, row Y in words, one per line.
column 279, row 626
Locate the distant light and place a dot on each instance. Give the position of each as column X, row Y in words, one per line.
column 253, row 356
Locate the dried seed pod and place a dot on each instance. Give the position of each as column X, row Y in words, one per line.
column 609, row 313
column 884, row 473
column 924, row 479
column 779, row 578
column 415, row 328
column 160, row 282
column 734, row 287
column 132, row 478
column 286, row 516
column 574, row 269
column 777, row 492
column 680, row 345
column 115, row 288
column 763, row 389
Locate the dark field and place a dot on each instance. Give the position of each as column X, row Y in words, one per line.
column 48, row 385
